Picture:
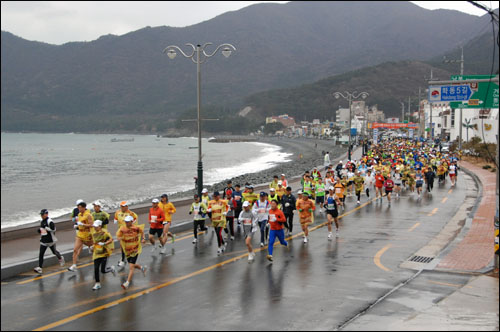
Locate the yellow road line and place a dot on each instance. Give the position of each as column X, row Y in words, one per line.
column 379, row 254
column 444, row 200
column 446, row 284
column 414, row 226
column 171, row 282
column 433, row 212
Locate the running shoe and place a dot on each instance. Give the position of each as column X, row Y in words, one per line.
column 62, row 261
column 91, row 248
column 38, row 269
column 232, row 238
column 113, row 270
column 359, row 202
column 251, row 256
column 97, row 286
column 72, row 268
column 163, row 250
column 195, row 240
column 337, row 233
column 330, row 236
column 121, row 263
column 261, row 244
column 219, row 251
column 143, row 269
column 269, row 258
column 125, row 285
column 305, row 239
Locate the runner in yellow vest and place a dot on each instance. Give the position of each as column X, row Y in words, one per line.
column 84, row 224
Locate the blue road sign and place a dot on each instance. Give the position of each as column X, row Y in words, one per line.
column 440, row 93
column 354, row 131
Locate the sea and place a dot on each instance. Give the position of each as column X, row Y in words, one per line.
column 52, row 171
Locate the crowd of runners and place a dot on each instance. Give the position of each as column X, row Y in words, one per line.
column 388, row 169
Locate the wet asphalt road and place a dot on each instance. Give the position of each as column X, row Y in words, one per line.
column 315, row 286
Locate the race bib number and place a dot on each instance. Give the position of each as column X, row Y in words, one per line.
column 247, row 221
column 43, row 231
column 338, row 190
column 237, row 198
column 331, row 207
column 261, row 211
column 196, row 212
column 272, row 217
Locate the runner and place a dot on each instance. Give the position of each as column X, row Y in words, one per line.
column 83, row 236
column 419, row 179
column 326, row 161
column 389, row 185
column 156, row 219
column 273, row 196
column 238, row 198
column 131, row 237
column 98, row 214
column 219, row 209
column 48, row 239
column 276, row 220
column 205, row 198
column 250, row 196
column 350, row 182
column 169, row 209
column 358, row 181
column 74, row 214
column 288, row 206
column 103, row 248
column 306, row 208
column 120, row 216
column 397, row 182
column 339, row 192
column 280, row 191
column 249, row 227
column 284, row 182
column 229, row 229
column 261, row 210
column 369, row 181
column 332, row 213
column 429, row 178
column 307, row 187
column 320, row 190
column 452, row 171
column 199, row 209
column 379, row 183
column 274, row 183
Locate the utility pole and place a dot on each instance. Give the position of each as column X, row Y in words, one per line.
column 409, row 112
column 402, row 112
column 419, row 120
column 461, row 74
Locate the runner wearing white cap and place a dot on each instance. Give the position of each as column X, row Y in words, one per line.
column 249, row 227
column 120, row 216
column 99, row 214
column 283, row 180
column 131, row 236
column 103, row 248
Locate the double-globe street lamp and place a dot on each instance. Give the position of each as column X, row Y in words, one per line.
column 350, row 97
column 199, row 56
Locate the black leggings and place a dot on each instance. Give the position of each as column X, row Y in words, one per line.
column 102, row 263
column 220, row 240
column 367, row 192
column 42, row 253
column 289, row 221
column 230, row 225
column 198, row 223
column 430, row 185
column 358, row 193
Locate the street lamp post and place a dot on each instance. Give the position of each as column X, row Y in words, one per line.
column 350, row 97
column 195, row 57
column 461, row 61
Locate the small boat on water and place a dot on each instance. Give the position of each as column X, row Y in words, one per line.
column 122, row 139
column 193, row 147
column 171, row 144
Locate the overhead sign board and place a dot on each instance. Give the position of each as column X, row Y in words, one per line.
column 394, row 125
column 440, row 93
column 479, row 99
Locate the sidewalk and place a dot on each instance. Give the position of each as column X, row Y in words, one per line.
column 476, row 250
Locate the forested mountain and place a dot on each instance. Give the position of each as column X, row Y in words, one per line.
column 127, row 83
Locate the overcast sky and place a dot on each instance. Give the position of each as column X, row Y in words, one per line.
column 58, row 22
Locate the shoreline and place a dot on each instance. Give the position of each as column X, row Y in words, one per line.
column 312, row 156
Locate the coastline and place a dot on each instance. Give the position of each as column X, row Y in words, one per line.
column 311, row 156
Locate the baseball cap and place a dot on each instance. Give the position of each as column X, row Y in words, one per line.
column 97, row 203
column 124, row 203
column 246, row 203
column 262, row 193
column 164, row 195
column 300, row 192
column 216, row 193
column 272, row 189
column 129, row 219
column 331, row 188
column 288, row 188
column 155, row 200
column 97, row 223
column 205, row 190
column 282, row 174
column 79, row 201
column 44, row 211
